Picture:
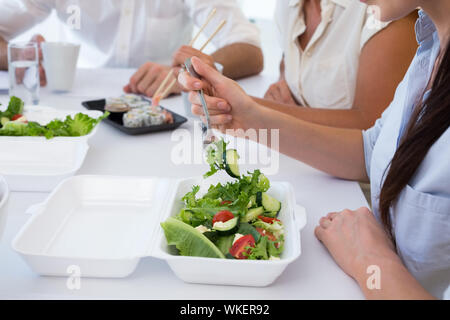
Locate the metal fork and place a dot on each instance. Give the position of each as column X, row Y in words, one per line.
column 207, row 132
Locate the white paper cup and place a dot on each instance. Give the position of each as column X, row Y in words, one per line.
column 60, row 63
column 4, row 195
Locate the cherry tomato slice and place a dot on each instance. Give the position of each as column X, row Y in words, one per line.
column 222, row 216
column 265, row 233
column 267, row 219
column 15, row 117
column 239, row 247
column 225, row 202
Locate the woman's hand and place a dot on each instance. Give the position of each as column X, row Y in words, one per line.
column 355, row 240
column 280, row 92
column 228, row 105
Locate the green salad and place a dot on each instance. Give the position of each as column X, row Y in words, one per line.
column 236, row 220
column 14, row 123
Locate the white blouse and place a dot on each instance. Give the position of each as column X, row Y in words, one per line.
column 324, row 75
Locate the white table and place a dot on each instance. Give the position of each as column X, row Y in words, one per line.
column 313, row 276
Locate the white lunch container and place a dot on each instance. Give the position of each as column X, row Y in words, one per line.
column 37, row 163
column 104, row 225
column 4, row 195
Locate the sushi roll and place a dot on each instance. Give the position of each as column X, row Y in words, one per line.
column 131, row 98
column 157, row 118
column 139, row 104
column 116, row 105
column 134, row 119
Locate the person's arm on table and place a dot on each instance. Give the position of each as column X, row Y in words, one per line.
column 336, row 151
column 356, row 241
column 385, row 57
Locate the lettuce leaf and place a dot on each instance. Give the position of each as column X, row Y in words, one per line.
column 259, row 252
column 80, row 125
column 15, row 107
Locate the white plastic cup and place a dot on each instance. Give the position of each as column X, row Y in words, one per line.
column 4, row 195
column 60, row 64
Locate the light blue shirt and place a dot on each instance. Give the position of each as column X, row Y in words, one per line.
column 421, row 216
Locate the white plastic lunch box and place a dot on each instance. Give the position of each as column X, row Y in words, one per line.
column 37, row 163
column 4, row 195
column 104, row 225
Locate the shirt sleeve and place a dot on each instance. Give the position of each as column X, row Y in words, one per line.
column 371, row 25
column 370, row 137
column 237, row 29
column 20, row 15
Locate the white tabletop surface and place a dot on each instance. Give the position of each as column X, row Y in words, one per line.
column 313, row 276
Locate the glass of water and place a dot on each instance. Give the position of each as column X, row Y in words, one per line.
column 23, row 69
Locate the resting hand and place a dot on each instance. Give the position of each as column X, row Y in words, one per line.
column 355, row 240
column 148, row 78
column 280, row 92
column 228, row 105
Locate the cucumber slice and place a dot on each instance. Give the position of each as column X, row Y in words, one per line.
column 259, row 198
column 189, row 241
column 269, row 203
column 230, row 159
column 252, row 214
column 227, row 227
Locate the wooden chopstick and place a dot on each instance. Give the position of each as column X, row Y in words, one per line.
column 161, row 86
column 158, row 95
column 214, row 34
column 169, row 87
column 210, row 16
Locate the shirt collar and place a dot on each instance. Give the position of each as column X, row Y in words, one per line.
column 425, row 27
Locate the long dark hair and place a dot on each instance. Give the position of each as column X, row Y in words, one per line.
column 429, row 121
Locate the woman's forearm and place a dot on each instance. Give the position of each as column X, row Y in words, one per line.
column 348, row 118
column 389, row 280
column 337, row 151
